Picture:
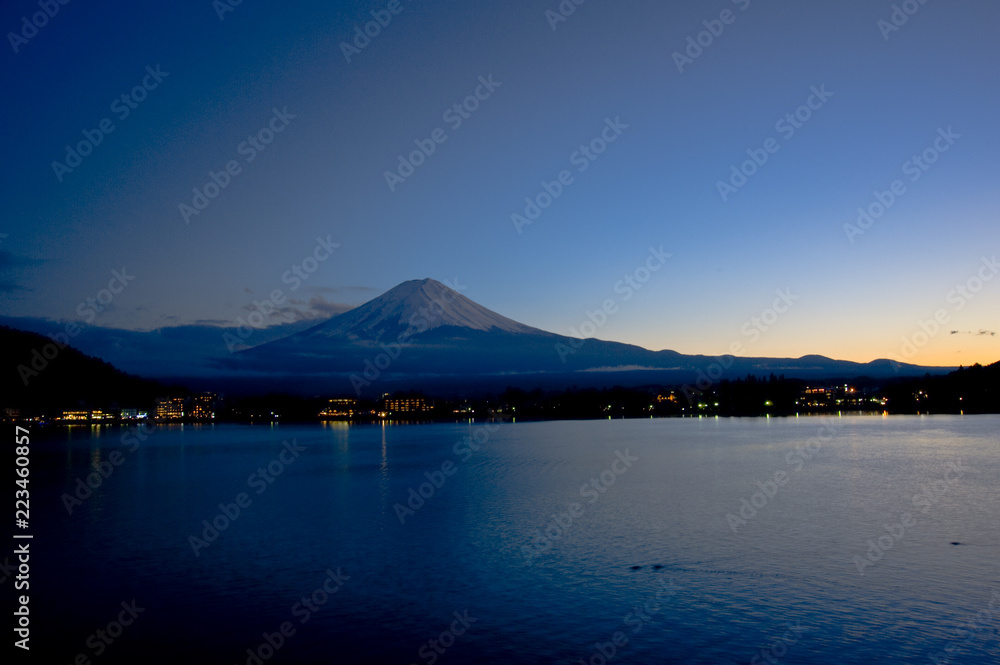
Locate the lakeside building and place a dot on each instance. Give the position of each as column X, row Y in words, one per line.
column 339, row 408
column 203, row 407
column 404, row 405
column 169, row 408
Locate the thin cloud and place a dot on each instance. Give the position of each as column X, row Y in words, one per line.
column 15, row 263
column 219, row 323
column 296, row 310
column 9, row 260
column 326, row 308
column 12, row 287
column 342, row 289
column 979, row 333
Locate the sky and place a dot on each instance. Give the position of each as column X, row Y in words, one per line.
column 729, row 144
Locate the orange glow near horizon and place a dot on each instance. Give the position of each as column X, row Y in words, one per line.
column 944, row 350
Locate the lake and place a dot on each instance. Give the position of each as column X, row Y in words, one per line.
column 794, row 540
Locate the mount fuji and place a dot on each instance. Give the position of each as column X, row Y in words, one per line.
column 413, row 308
column 423, row 332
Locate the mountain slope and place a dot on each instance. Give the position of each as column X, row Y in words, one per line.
column 37, row 373
column 423, row 328
column 414, row 307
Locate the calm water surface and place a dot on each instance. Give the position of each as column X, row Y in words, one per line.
column 548, row 538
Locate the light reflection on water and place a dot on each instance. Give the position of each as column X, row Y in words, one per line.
column 662, row 521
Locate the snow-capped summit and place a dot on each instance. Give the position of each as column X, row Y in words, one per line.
column 415, row 306
column 423, row 328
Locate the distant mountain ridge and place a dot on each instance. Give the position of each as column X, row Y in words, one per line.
column 421, row 334
column 423, row 329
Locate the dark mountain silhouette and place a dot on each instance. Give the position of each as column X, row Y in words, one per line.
column 974, row 389
column 37, row 373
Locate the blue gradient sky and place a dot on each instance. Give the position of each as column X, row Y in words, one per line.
column 323, row 175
